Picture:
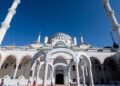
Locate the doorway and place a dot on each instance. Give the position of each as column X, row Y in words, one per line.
column 59, row 79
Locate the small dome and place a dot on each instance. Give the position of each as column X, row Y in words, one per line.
column 61, row 35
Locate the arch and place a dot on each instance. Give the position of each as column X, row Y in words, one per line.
column 96, row 69
column 116, row 57
column 41, row 72
column 59, row 50
column 60, row 44
column 86, row 59
column 68, row 51
column 59, row 59
column 8, row 65
column 59, row 68
column 10, row 55
column 25, row 57
column 60, row 64
column 41, row 55
column 94, row 60
column 112, row 71
column 24, row 67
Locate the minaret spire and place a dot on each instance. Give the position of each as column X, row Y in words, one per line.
column 39, row 36
column 114, row 22
column 6, row 23
column 81, row 39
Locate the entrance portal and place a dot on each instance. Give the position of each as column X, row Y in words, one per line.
column 59, row 79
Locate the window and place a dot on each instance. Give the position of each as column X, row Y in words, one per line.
column 74, row 80
column 20, row 65
column 73, row 67
column 6, row 65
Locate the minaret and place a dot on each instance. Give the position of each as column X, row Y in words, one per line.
column 75, row 41
column 38, row 40
column 6, row 23
column 114, row 22
column 81, row 39
column 45, row 40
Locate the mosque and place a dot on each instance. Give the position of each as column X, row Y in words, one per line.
column 60, row 60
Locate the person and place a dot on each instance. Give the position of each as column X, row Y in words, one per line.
column 2, row 82
column 34, row 83
column 29, row 83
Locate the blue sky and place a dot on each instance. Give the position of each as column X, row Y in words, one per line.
column 69, row 16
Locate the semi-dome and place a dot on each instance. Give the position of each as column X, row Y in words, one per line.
column 60, row 35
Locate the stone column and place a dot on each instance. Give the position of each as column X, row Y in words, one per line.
column 38, row 72
column 45, row 74
column 53, row 82
column 103, row 74
column 69, row 76
column 33, row 70
column 83, row 75
column 31, row 78
column 52, row 77
column 77, row 75
column 16, row 69
column 91, row 76
column 66, row 76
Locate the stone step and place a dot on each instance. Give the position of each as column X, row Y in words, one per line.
column 54, row 85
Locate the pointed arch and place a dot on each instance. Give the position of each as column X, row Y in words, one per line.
column 24, row 67
column 58, row 50
column 8, row 65
column 41, row 55
column 86, row 63
column 96, row 69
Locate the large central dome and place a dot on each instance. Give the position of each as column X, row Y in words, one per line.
column 61, row 35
